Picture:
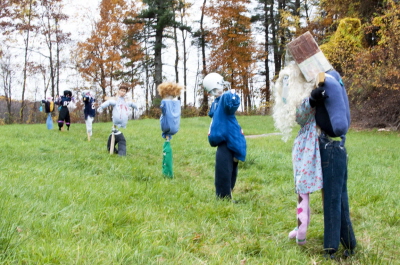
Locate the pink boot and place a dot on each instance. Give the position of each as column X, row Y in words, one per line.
column 303, row 218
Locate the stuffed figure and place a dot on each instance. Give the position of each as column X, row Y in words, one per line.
column 292, row 106
column 225, row 133
column 333, row 117
column 64, row 103
column 327, row 107
column 89, row 111
column 169, row 121
column 48, row 109
column 120, row 115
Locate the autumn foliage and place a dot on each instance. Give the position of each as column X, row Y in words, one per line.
column 232, row 46
column 100, row 57
column 374, row 77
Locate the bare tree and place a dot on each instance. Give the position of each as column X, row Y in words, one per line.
column 204, row 102
column 7, row 75
column 185, row 29
column 27, row 27
column 51, row 16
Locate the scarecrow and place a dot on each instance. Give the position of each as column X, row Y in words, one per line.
column 48, row 109
column 120, row 115
column 89, row 111
column 65, row 102
column 225, row 133
column 169, row 121
column 315, row 97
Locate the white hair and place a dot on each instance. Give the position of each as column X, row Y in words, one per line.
column 287, row 100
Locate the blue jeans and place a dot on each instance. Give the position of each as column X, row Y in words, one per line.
column 337, row 223
column 225, row 171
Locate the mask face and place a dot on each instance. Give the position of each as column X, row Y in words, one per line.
column 216, row 92
column 285, row 88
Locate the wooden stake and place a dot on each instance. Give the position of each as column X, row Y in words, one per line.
column 112, row 141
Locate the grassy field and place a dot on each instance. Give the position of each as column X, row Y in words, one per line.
column 65, row 200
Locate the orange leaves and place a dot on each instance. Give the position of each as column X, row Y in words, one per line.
column 103, row 53
column 231, row 40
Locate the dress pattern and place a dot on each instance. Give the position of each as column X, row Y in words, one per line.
column 305, row 153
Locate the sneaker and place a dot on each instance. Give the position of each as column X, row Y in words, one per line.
column 328, row 256
column 329, row 253
column 293, row 233
column 300, row 241
column 348, row 253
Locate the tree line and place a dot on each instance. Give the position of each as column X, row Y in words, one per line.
column 244, row 40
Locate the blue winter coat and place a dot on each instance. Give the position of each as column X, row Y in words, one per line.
column 224, row 127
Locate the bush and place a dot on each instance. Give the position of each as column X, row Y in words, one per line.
column 190, row 111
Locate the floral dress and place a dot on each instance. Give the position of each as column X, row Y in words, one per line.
column 305, row 154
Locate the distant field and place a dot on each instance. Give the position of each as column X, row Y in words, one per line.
column 65, row 200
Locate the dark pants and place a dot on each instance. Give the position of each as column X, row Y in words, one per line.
column 225, row 171
column 120, row 140
column 64, row 116
column 337, row 223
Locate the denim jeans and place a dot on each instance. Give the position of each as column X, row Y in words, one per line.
column 120, row 141
column 225, row 171
column 337, row 223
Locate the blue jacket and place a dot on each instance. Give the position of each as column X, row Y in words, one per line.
column 170, row 117
column 224, row 127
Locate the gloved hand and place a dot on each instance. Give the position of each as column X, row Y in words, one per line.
column 317, row 94
column 99, row 109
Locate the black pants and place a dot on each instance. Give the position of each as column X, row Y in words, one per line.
column 120, row 140
column 64, row 116
column 225, row 171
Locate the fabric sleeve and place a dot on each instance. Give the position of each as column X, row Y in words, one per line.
column 231, row 102
column 336, row 107
column 132, row 105
column 110, row 102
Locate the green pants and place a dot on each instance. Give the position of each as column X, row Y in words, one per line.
column 167, row 165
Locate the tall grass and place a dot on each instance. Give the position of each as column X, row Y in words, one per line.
column 65, row 200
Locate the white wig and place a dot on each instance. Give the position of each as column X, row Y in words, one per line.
column 288, row 92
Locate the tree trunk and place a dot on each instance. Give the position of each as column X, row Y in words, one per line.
column 157, row 59
column 184, row 59
column 21, row 112
column 267, row 93
column 57, row 58
column 204, row 103
column 176, row 54
column 184, row 70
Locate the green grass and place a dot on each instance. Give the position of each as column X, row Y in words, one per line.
column 65, row 200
